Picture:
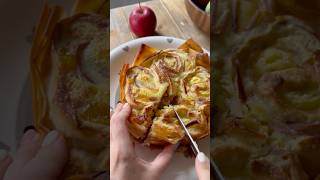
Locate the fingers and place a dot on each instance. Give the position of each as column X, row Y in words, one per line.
column 162, row 160
column 202, row 166
column 119, row 136
column 29, row 147
column 123, row 111
column 118, row 125
column 118, row 108
column 5, row 161
column 51, row 158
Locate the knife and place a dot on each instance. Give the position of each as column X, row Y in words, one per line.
column 216, row 172
column 193, row 143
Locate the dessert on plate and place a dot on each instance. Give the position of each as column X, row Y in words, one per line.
column 69, row 67
column 157, row 78
column 267, row 111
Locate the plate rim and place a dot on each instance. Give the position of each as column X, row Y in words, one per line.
column 118, row 50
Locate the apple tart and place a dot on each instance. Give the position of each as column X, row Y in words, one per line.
column 69, row 65
column 157, row 78
column 267, row 106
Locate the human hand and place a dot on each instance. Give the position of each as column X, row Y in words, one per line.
column 202, row 166
column 35, row 159
column 124, row 163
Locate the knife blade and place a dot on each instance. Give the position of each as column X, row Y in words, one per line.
column 216, row 172
column 193, row 143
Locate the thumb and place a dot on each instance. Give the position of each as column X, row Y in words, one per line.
column 50, row 159
column 162, row 160
column 122, row 112
column 118, row 127
column 202, row 166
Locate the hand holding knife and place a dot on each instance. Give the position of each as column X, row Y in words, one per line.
column 216, row 172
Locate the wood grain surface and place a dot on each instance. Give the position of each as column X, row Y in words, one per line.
column 172, row 20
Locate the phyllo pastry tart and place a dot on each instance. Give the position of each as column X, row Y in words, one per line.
column 69, row 65
column 157, row 78
column 267, row 110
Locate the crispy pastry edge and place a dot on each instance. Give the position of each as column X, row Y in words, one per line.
column 40, row 60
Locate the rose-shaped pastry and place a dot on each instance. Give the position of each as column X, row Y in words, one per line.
column 143, row 91
column 69, row 68
column 158, row 78
column 268, row 112
column 166, row 129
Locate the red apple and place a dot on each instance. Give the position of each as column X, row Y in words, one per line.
column 201, row 3
column 142, row 21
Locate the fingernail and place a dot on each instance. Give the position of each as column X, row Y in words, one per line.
column 202, row 157
column 28, row 128
column 3, row 154
column 50, row 138
column 30, row 136
column 119, row 106
column 126, row 105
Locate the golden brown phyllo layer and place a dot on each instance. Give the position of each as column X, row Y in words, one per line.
column 157, row 78
column 69, row 66
column 268, row 98
column 80, row 93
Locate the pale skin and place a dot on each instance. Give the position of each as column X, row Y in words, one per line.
column 45, row 159
column 124, row 161
column 35, row 158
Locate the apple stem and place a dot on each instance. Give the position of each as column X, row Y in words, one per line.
column 139, row 4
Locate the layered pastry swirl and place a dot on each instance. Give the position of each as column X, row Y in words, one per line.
column 157, row 78
column 267, row 124
column 70, row 87
column 79, row 89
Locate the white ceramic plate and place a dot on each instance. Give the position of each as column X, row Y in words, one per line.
column 180, row 168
